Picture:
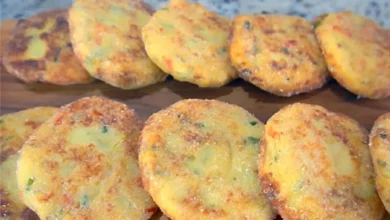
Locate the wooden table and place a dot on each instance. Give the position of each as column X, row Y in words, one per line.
column 15, row 95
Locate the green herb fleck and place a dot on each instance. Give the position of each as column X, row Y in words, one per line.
column 255, row 50
column 191, row 157
column 383, row 135
column 276, row 157
column 253, row 140
column 222, row 50
column 382, row 163
column 6, row 139
column 104, row 129
column 167, row 26
column 57, row 54
column 253, row 123
column 200, row 124
column 284, row 50
column 196, row 172
column 317, row 23
column 164, row 9
column 30, row 181
column 299, row 186
column 84, row 201
column 247, row 25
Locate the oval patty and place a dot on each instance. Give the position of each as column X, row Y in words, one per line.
column 198, row 161
column 40, row 50
column 15, row 128
column 357, row 52
column 106, row 37
column 380, row 152
column 190, row 43
column 277, row 53
column 315, row 164
column 82, row 164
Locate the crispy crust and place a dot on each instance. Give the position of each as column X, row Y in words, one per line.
column 106, row 36
column 315, row 164
column 380, row 152
column 357, row 52
column 280, row 54
column 15, row 128
column 190, row 43
column 53, row 61
column 198, row 161
column 86, row 164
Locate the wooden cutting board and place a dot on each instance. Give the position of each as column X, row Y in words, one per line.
column 15, row 95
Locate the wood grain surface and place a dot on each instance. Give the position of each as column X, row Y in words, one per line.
column 15, row 95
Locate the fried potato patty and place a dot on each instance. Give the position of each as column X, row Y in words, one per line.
column 15, row 128
column 357, row 51
column 198, row 161
column 106, row 35
column 190, row 43
column 39, row 50
column 380, row 153
column 83, row 164
column 277, row 53
column 315, row 164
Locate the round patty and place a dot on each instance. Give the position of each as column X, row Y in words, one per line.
column 39, row 50
column 316, row 164
column 380, row 152
column 357, row 51
column 106, row 36
column 15, row 128
column 277, row 53
column 190, row 43
column 83, row 164
column 198, row 161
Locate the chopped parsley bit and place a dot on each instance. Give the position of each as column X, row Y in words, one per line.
column 247, row 25
column 276, row 158
column 299, row 185
column 84, row 201
column 164, row 9
column 30, row 181
column 253, row 123
column 6, row 139
column 382, row 163
column 383, row 135
column 255, row 50
column 196, row 172
column 222, row 50
column 191, row 157
column 200, row 124
column 284, row 50
column 253, row 140
column 57, row 54
column 104, row 129
column 317, row 23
